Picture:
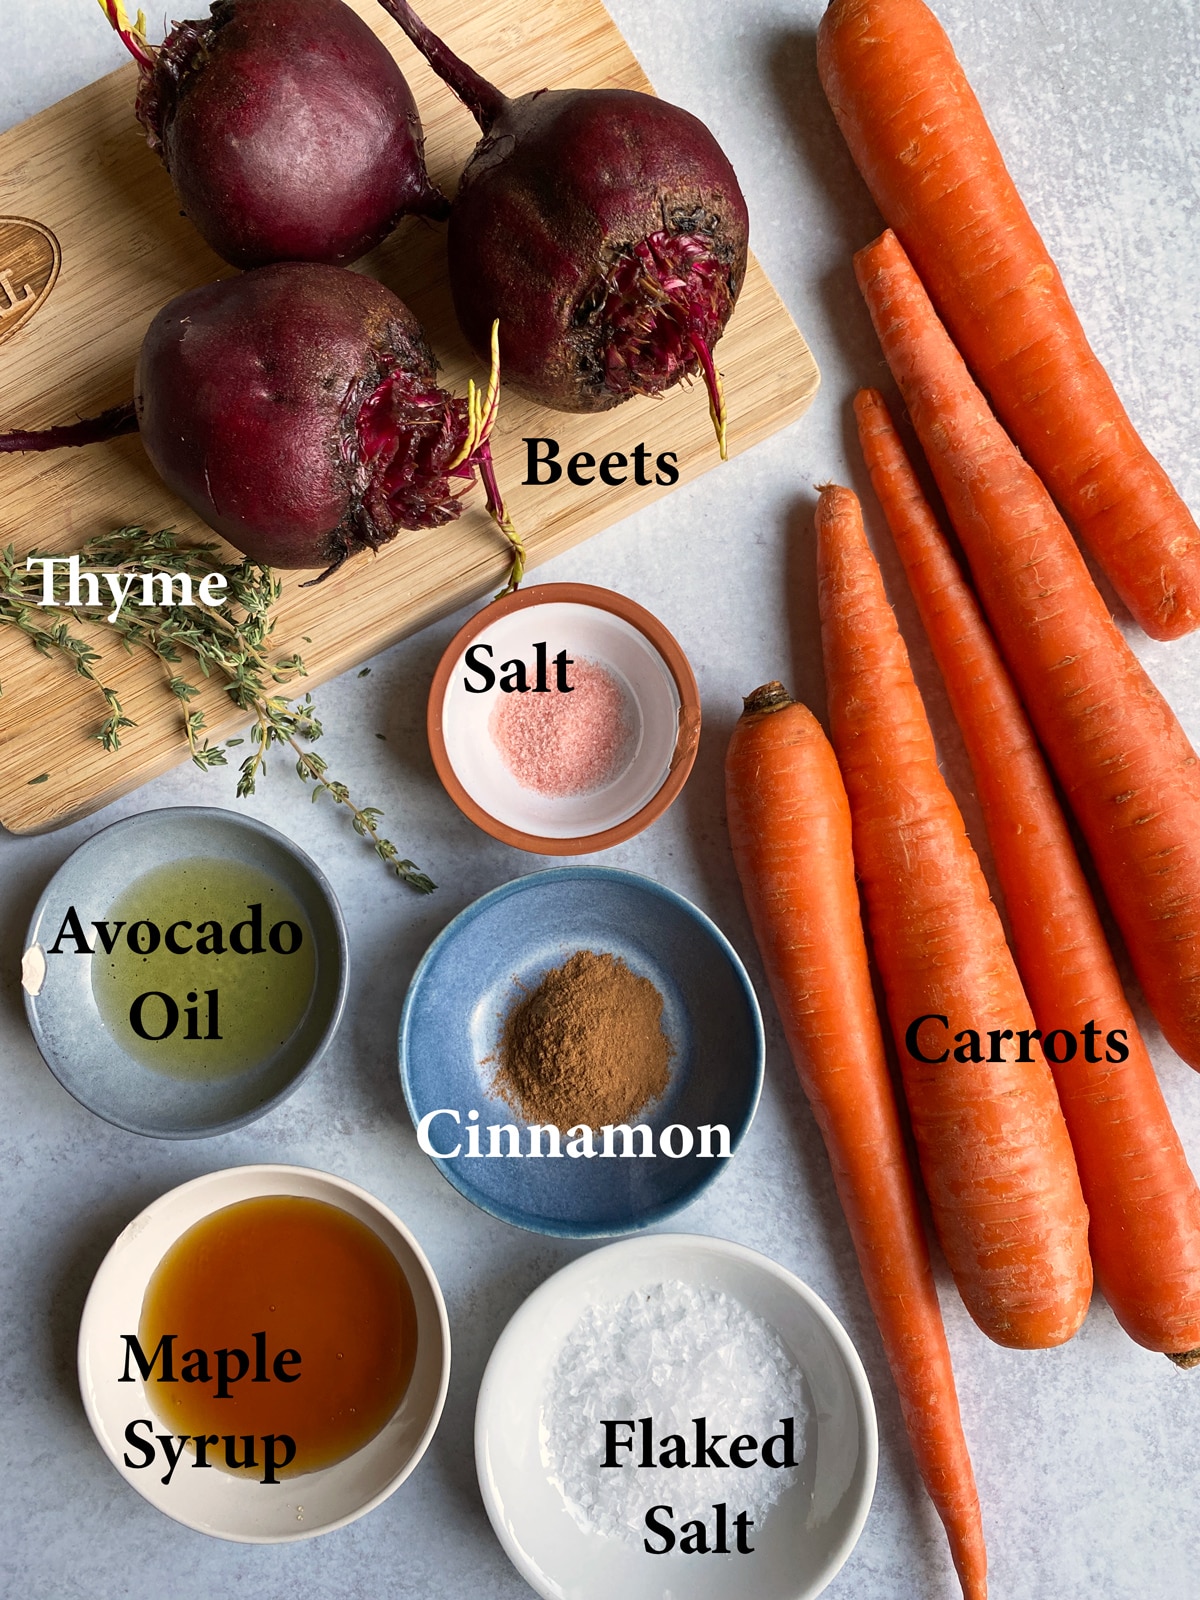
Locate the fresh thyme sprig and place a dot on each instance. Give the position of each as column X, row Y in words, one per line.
column 230, row 641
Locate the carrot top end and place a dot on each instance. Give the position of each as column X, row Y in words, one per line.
column 768, row 697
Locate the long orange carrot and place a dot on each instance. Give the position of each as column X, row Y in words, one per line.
column 990, row 1136
column 789, row 824
column 1128, row 771
column 920, row 140
column 1143, row 1201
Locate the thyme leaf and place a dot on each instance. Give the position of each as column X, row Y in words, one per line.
column 229, row 641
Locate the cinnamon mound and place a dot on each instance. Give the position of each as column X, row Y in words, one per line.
column 585, row 1046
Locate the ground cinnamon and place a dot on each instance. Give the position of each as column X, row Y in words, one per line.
column 585, row 1046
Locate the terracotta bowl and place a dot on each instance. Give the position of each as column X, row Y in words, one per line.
column 662, row 717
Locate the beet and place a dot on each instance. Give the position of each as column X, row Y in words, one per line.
column 295, row 409
column 606, row 231
column 287, row 129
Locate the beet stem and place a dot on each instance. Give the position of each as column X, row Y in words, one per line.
column 131, row 34
column 495, row 507
column 716, row 393
column 109, row 424
column 476, row 451
column 481, row 98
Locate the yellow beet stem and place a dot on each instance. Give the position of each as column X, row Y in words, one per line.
column 131, row 34
column 481, row 414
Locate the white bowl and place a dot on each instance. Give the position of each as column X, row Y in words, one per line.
column 242, row 1508
column 808, row 1533
column 662, row 704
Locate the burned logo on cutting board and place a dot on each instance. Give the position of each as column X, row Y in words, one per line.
column 29, row 261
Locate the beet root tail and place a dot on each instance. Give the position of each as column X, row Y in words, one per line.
column 110, row 424
column 716, row 394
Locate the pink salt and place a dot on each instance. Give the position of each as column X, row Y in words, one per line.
column 561, row 744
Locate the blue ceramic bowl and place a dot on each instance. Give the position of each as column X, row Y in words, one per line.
column 507, row 941
column 88, row 1060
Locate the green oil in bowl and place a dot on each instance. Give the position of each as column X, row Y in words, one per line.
column 203, row 968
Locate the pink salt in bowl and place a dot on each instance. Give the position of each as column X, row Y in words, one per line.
column 563, row 719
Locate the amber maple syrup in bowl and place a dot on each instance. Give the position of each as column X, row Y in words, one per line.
column 264, row 1353
column 317, row 1323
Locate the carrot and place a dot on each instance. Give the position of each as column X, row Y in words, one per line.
column 789, row 824
column 990, row 1136
column 1128, row 771
column 1143, row 1201
column 921, row 142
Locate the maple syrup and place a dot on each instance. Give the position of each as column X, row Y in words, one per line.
column 315, row 1303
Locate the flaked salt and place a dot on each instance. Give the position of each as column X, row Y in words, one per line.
column 561, row 743
column 671, row 1351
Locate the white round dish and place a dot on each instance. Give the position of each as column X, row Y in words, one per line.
column 661, row 707
column 651, row 699
column 806, row 1536
column 242, row 1508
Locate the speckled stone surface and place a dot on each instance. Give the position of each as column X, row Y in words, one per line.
column 1087, row 1457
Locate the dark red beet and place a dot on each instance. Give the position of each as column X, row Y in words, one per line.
column 606, row 231
column 295, row 409
column 287, row 128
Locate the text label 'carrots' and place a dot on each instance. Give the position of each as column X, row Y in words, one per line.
column 1142, row 1198
column 991, row 1139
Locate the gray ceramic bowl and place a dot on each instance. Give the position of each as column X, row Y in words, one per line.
column 85, row 1057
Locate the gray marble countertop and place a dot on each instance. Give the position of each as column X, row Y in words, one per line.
column 1087, row 1457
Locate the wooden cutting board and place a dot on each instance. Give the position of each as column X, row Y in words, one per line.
column 108, row 248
